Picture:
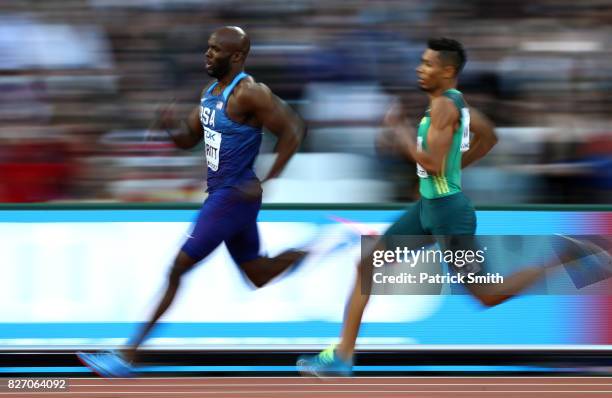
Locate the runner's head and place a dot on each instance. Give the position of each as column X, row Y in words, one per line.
column 440, row 64
column 228, row 48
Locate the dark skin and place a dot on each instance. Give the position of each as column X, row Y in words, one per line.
column 400, row 139
column 435, row 77
column 250, row 103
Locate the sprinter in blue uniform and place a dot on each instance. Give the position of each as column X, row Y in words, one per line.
column 232, row 112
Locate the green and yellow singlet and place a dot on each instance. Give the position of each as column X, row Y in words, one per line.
column 449, row 182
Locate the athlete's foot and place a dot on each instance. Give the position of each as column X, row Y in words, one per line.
column 325, row 364
column 107, row 364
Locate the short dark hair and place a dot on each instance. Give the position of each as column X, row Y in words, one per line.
column 451, row 52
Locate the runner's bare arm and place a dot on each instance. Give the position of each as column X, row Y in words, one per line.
column 278, row 118
column 187, row 133
column 444, row 117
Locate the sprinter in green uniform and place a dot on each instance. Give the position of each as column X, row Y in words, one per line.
column 441, row 147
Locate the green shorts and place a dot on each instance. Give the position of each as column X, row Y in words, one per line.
column 450, row 221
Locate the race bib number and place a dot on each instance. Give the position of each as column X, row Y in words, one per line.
column 421, row 172
column 212, row 140
column 465, row 134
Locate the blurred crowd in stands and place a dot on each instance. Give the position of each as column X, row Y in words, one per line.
column 80, row 81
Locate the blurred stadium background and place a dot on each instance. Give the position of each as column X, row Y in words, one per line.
column 80, row 81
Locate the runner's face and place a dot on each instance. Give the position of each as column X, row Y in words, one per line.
column 429, row 71
column 217, row 58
